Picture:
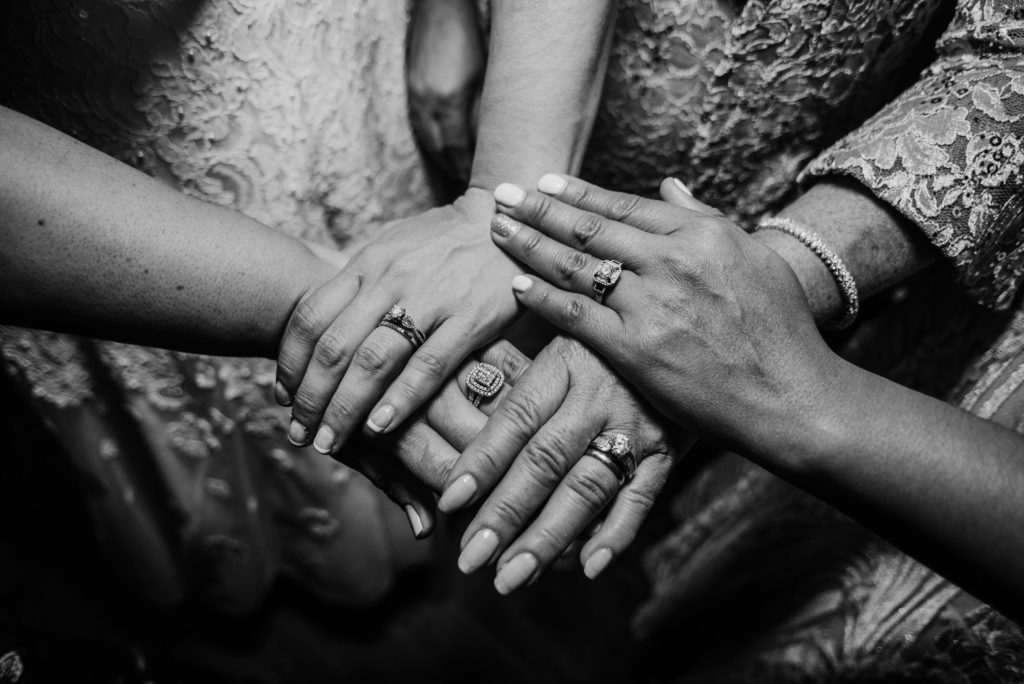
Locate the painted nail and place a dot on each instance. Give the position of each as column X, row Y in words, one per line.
column 550, row 184
column 414, row 521
column 679, row 184
column 479, row 551
column 509, row 195
column 324, row 441
column 458, row 494
column 597, row 562
column 521, row 283
column 505, row 226
column 281, row 394
column 297, row 434
column 381, row 418
column 515, row 573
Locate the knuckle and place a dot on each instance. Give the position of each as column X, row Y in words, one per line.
column 370, row 358
column 305, row 406
column 639, row 499
column 521, row 409
column 545, row 461
column 550, row 542
column 541, row 209
column 585, row 228
column 577, row 194
column 430, row 364
column 570, row 264
column 305, row 321
column 593, row 487
column 573, row 312
column 624, row 206
column 508, row 514
column 531, row 244
column 330, row 350
column 339, row 411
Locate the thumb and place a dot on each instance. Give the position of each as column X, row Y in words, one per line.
column 675, row 193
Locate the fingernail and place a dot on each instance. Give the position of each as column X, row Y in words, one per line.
column 515, row 573
column 550, row 184
column 458, row 494
column 505, row 226
column 521, row 283
column 479, row 551
column 324, row 442
column 509, row 195
column 297, row 434
column 380, row 419
column 597, row 562
column 281, row 394
column 679, row 184
column 414, row 521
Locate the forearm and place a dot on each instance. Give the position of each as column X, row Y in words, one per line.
column 942, row 484
column 94, row 247
column 545, row 71
column 878, row 246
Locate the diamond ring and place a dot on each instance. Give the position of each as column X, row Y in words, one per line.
column 615, row 452
column 398, row 320
column 484, row 382
column 606, row 275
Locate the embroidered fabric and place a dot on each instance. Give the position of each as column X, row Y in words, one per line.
column 295, row 114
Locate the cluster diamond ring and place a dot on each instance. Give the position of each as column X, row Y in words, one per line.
column 484, row 382
column 398, row 320
column 615, row 452
column 605, row 277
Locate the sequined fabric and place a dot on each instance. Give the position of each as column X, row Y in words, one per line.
column 295, row 114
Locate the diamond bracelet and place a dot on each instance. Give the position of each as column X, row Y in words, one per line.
column 835, row 265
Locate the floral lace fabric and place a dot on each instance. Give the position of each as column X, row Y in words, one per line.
column 760, row 582
column 295, row 114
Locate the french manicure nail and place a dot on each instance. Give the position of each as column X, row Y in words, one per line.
column 380, row 419
column 414, row 520
column 509, row 195
column 324, row 441
column 515, row 573
column 597, row 562
column 281, row 394
column 505, row 226
column 550, row 184
column 458, row 494
column 679, row 184
column 521, row 283
column 297, row 434
column 479, row 551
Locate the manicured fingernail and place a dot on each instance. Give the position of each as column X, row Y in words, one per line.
column 550, row 184
column 479, row 551
column 380, row 419
column 505, row 226
column 297, row 434
column 281, row 394
column 414, row 521
column 509, row 195
column 521, row 283
column 458, row 494
column 597, row 562
column 324, row 442
column 679, row 184
column 515, row 573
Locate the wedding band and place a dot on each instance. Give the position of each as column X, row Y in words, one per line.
column 402, row 323
column 483, row 382
column 605, row 277
column 616, row 452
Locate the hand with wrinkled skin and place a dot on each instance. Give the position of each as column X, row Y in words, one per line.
column 528, row 461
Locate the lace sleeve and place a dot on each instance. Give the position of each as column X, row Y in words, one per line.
column 948, row 152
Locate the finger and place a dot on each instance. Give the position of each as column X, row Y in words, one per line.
column 399, row 485
column 374, row 364
column 649, row 215
column 507, row 358
column 306, row 325
column 427, row 370
column 675, row 193
column 629, row 510
column 421, row 450
column 596, row 325
column 582, row 230
column 562, row 266
column 532, row 477
column 585, row 491
column 515, row 420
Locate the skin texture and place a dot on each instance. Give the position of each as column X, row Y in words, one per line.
column 714, row 328
column 335, row 366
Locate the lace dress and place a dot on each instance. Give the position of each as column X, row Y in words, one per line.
column 295, row 114
column 759, row 582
